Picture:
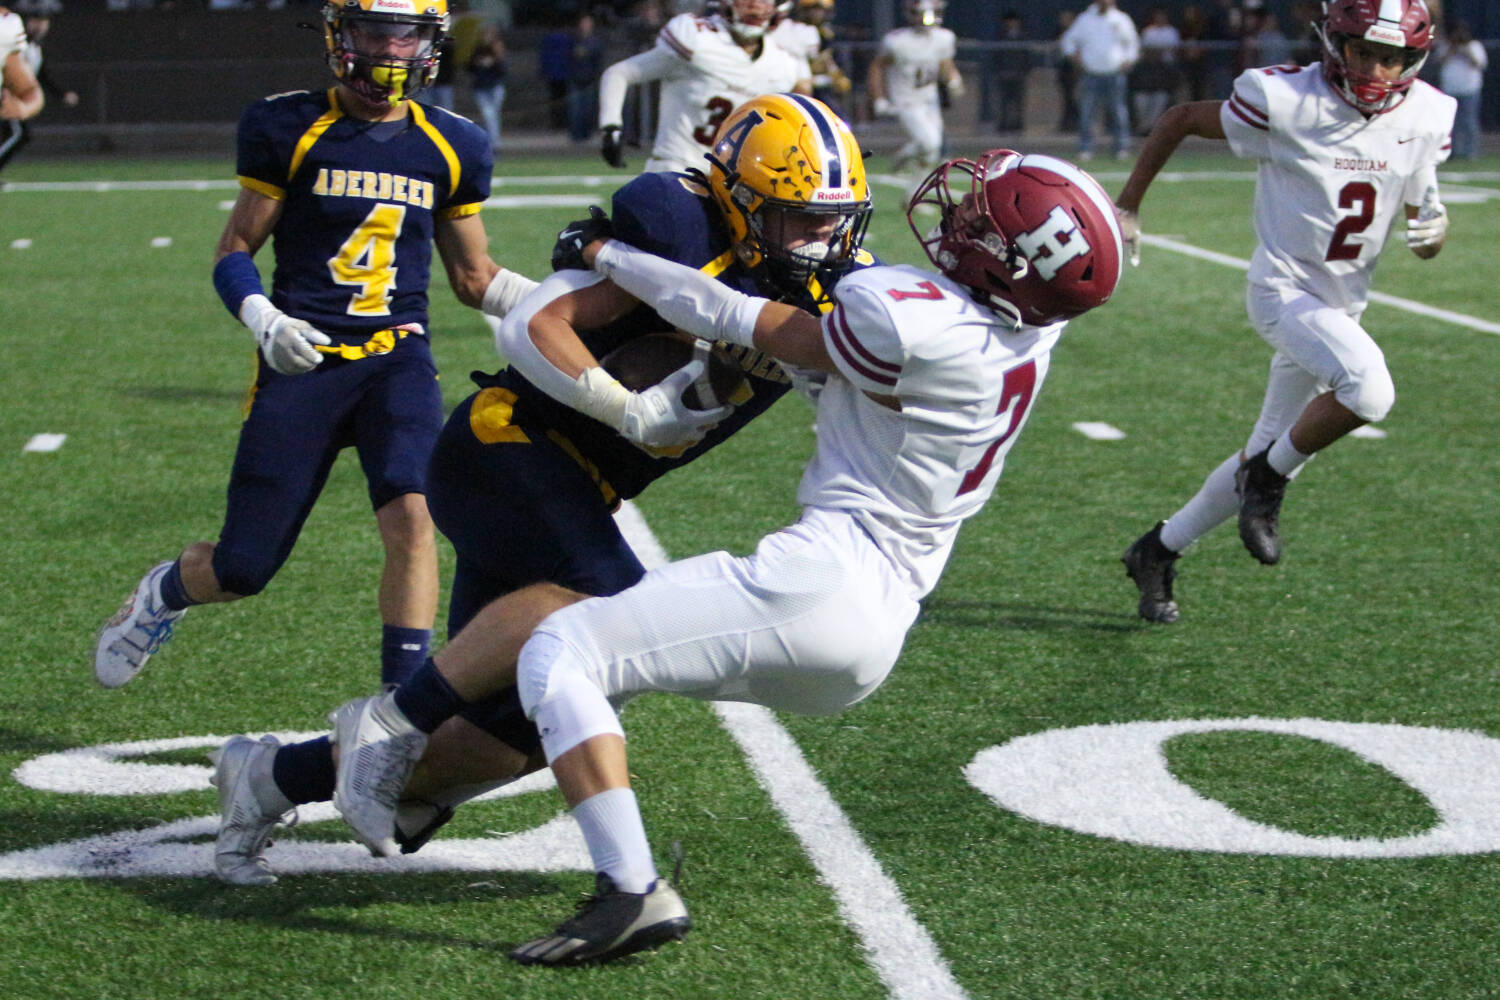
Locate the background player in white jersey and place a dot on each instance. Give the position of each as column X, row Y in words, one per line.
column 20, row 94
column 1343, row 149
column 708, row 65
column 808, row 33
column 930, row 377
column 904, row 80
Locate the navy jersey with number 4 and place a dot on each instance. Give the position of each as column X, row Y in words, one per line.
column 673, row 216
column 353, row 245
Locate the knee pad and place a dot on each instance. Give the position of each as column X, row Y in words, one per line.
column 558, row 694
column 1369, row 395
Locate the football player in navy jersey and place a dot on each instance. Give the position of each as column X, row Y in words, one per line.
column 353, row 185
column 529, row 470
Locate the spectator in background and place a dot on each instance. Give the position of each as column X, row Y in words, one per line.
column 1010, row 66
column 638, row 117
column 1263, row 43
column 440, row 93
column 1462, row 64
column 1153, row 84
column 553, row 53
column 486, row 67
column 1224, row 22
column 1067, row 78
column 1192, row 55
column 585, row 63
column 1104, row 45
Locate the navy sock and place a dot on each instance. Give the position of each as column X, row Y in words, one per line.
column 402, row 651
column 173, row 594
column 427, row 699
column 305, row 771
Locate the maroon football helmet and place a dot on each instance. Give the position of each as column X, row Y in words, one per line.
column 1032, row 236
column 1404, row 24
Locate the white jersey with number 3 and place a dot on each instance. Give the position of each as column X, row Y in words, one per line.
column 966, row 382
column 705, row 75
column 12, row 34
column 1330, row 182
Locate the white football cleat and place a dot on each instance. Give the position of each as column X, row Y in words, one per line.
column 378, row 747
column 137, row 631
column 241, row 766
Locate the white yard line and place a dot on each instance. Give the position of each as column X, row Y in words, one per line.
column 899, row 948
column 1420, row 309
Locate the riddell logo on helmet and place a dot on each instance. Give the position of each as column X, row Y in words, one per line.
column 394, row 6
column 844, row 194
column 1386, row 36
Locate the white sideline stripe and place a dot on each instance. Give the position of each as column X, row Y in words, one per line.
column 45, row 442
column 899, row 948
column 1096, row 430
column 1448, row 316
column 541, row 201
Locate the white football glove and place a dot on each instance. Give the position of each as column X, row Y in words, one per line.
column 658, row 418
column 1431, row 224
column 1130, row 234
column 285, row 343
column 883, row 108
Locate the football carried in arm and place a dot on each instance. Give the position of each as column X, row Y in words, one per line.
column 644, row 361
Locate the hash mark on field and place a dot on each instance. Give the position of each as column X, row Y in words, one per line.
column 45, row 442
column 1096, row 430
column 899, row 948
column 21, row 244
column 1373, row 433
column 160, row 242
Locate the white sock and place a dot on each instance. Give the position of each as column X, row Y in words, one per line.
column 1284, row 458
column 1213, row 504
column 612, row 827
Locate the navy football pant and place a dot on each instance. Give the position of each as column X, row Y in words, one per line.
column 518, row 511
column 388, row 407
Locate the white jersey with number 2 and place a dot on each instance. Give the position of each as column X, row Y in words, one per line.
column 1330, row 181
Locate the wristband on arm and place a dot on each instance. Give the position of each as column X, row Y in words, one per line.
column 236, row 279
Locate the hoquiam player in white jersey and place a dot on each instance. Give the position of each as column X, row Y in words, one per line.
column 930, row 377
column 708, row 65
column 904, row 80
column 1343, row 148
column 20, row 94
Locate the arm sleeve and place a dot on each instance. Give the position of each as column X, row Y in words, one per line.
column 653, row 64
column 690, row 300
column 513, row 338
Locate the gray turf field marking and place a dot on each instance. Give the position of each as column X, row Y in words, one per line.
column 899, row 948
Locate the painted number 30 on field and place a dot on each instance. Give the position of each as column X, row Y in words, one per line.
column 1108, row 780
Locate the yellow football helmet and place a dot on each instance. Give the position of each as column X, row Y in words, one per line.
column 784, row 164
column 384, row 50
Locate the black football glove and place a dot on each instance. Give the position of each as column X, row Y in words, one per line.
column 567, row 252
column 611, row 146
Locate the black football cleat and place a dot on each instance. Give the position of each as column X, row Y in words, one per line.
column 1260, row 488
column 1151, row 565
column 416, row 821
column 611, row 924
